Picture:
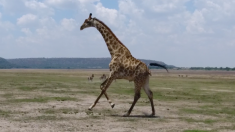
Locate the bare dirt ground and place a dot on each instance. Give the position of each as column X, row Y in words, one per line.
column 58, row 100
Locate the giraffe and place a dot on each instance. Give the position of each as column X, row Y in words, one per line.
column 90, row 78
column 122, row 66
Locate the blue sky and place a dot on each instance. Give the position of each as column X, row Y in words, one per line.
column 183, row 33
column 112, row 4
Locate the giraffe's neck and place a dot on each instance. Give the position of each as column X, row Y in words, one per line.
column 115, row 46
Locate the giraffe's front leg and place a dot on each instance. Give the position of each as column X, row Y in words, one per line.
column 105, row 93
column 109, row 81
column 110, row 102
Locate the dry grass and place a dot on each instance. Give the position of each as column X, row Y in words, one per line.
column 57, row 100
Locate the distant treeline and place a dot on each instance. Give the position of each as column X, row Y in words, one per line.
column 213, row 68
column 64, row 63
column 81, row 63
column 4, row 64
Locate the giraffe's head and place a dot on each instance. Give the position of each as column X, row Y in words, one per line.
column 88, row 23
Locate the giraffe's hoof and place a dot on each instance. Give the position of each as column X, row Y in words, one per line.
column 112, row 105
column 153, row 114
column 126, row 115
column 90, row 108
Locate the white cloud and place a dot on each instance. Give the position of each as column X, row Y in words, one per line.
column 164, row 6
column 70, row 4
column 26, row 31
column 68, row 24
column 6, row 26
column 25, row 19
column 34, row 4
column 130, row 8
column 13, row 7
column 196, row 23
column 62, row 3
column 47, row 22
column 106, row 14
column 39, row 8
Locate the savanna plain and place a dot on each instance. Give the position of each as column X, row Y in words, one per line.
column 34, row 100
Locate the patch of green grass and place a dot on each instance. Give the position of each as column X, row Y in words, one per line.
column 121, row 91
column 26, row 88
column 206, row 121
column 192, row 94
column 38, row 100
column 44, row 117
column 4, row 113
column 214, row 111
column 61, row 110
column 42, row 99
column 8, row 95
column 62, row 98
column 232, row 127
column 59, row 91
column 50, row 111
column 209, row 121
column 69, row 111
column 199, row 111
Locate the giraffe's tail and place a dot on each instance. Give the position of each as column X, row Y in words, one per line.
column 156, row 64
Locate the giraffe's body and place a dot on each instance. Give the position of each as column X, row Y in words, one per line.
column 122, row 66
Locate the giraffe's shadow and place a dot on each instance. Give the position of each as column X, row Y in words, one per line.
column 138, row 116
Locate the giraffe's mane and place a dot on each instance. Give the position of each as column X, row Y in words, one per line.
column 111, row 32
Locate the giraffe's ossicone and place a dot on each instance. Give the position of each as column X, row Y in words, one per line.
column 122, row 66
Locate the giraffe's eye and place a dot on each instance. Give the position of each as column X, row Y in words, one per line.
column 87, row 21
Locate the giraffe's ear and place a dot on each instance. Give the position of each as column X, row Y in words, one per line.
column 90, row 16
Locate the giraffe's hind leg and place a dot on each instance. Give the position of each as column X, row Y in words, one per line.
column 136, row 97
column 150, row 94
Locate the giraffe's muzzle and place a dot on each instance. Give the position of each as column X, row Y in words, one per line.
column 81, row 28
